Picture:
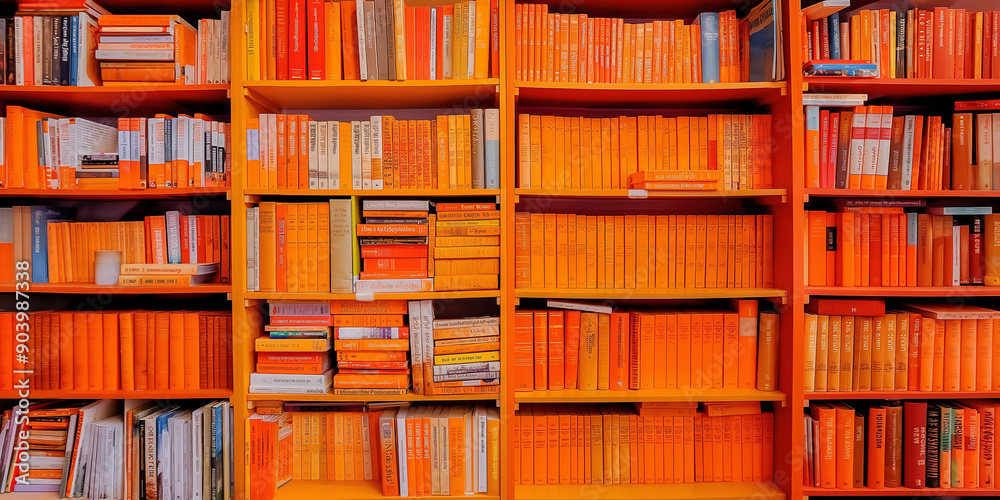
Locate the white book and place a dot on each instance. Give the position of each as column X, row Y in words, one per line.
column 333, row 152
column 401, row 451
column 416, row 347
column 256, row 248
column 984, row 151
column 67, row 153
column 906, row 148
column 322, row 155
column 399, row 28
column 183, row 146
column 199, row 75
column 427, row 340
column 823, row 9
column 313, row 131
column 447, row 413
column 356, row 154
column 19, row 51
column 366, row 447
column 433, row 48
column 263, row 143
column 192, row 229
column 995, row 171
column 362, row 48
column 468, row 452
column 482, row 450
column 272, row 147
column 447, row 27
column 873, row 129
column 270, row 389
column 956, row 257
column 173, row 237
column 291, row 380
column 36, row 28
column 198, row 174
column 366, row 155
column 884, row 143
column 857, row 153
column 251, row 243
column 224, row 47
column 376, row 151
column 87, row 26
column 471, row 49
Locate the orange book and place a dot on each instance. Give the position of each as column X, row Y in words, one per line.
column 953, row 357
column 876, row 447
column 816, row 245
column 619, row 351
column 556, row 350
column 572, row 342
column 846, row 250
column 541, row 367
column 747, row 310
column 94, row 363
column 111, row 377
column 984, row 354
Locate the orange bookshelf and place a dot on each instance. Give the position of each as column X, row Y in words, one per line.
column 649, row 293
column 122, row 394
column 900, row 395
column 95, row 101
column 411, row 398
column 899, row 87
column 895, row 193
column 116, row 194
column 648, row 395
column 904, row 291
column 651, row 95
column 472, row 294
column 763, row 194
column 359, row 490
column 375, row 193
column 91, row 288
column 901, row 492
column 378, row 94
column 699, row 491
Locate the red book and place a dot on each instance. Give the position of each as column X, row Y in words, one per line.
column 914, row 442
column 296, row 39
column 282, row 33
column 315, row 42
column 846, row 307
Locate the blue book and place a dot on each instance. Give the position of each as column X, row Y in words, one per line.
column 492, row 148
column 710, row 70
column 217, row 487
column 40, row 217
column 762, row 38
column 834, row 30
column 74, row 48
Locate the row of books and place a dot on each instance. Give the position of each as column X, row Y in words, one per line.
column 716, row 47
column 939, row 42
column 293, row 240
column 101, row 449
column 623, row 350
column 635, row 252
column 372, row 40
column 46, row 151
column 858, row 345
column 457, row 151
column 947, row 444
column 655, row 443
column 947, row 246
column 163, row 48
column 556, row 152
column 411, row 450
column 453, row 355
column 110, row 351
column 64, row 252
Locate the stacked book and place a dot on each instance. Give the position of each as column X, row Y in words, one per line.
column 371, row 348
column 391, row 226
column 147, row 48
column 454, row 356
column 460, row 261
column 885, row 444
column 293, row 355
column 372, row 40
column 875, row 243
column 51, row 43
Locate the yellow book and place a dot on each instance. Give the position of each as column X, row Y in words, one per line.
column 809, row 359
column 588, row 351
column 453, row 155
column 482, row 50
column 467, row 151
column 253, row 40
column 333, row 50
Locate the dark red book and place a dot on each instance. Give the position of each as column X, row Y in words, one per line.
column 846, row 307
column 914, row 444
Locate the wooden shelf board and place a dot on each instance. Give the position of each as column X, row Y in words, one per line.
column 91, row 288
column 648, row 293
column 338, row 398
column 650, row 95
column 900, row 395
column 353, row 94
column 395, row 193
column 700, row 395
column 701, row 491
column 625, row 193
column 470, row 294
column 352, row 490
column 118, row 99
column 103, row 194
column 895, row 193
column 123, row 394
column 900, row 492
column 902, row 291
column 900, row 87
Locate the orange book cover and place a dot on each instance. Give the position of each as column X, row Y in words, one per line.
column 572, row 341
column 747, row 310
column 556, row 350
column 937, row 367
column 541, row 367
column 111, row 376
column 845, row 250
column 953, row 356
column 93, row 363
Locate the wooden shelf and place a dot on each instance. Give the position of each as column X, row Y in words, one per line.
column 376, row 94
column 380, row 193
column 904, row 291
column 641, row 194
column 352, row 490
column 122, row 394
column 368, row 399
column 91, row 288
column 119, row 99
column 650, row 395
column 901, row 492
column 470, row 294
column 645, row 94
column 900, row 395
column 648, row 293
column 118, row 194
column 701, row 491
column 895, row 193
column 900, row 87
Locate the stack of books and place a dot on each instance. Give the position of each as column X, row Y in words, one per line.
column 51, row 43
column 396, row 223
column 293, row 355
column 729, row 151
column 372, row 40
column 147, row 48
column 367, row 337
column 454, row 356
column 885, row 444
column 875, row 243
column 653, row 443
column 464, row 262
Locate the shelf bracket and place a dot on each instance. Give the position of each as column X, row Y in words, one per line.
column 517, row 301
column 517, row 198
column 805, row 198
column 498, row 301
column 805, row 299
